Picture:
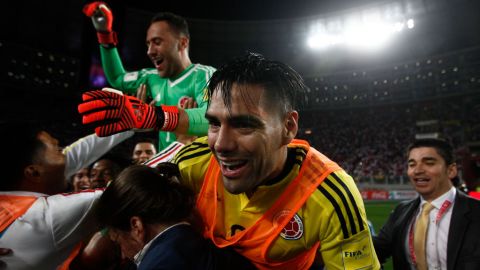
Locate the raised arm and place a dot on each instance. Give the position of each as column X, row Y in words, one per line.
column 117, row 76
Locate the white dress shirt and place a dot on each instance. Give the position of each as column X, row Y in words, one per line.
column 437, row 234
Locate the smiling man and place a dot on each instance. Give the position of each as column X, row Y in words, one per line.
column 274, row 199
column 173, row 82
column 448, row 238
column 277, row 201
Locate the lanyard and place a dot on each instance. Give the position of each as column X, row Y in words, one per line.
column 446, row 204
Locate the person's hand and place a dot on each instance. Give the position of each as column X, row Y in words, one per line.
column 186, row 103
column 102, row 19
column 3, row 252
column 113, row 112
column 142, row 95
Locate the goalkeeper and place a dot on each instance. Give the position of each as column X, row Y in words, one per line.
column 175, row 81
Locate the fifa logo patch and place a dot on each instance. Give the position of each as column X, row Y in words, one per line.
column 355, row 254
column 294, row 228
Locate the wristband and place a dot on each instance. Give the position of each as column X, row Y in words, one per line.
column 169, row 115
column 107, row 38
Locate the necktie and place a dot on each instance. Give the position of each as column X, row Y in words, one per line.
column 420, row 236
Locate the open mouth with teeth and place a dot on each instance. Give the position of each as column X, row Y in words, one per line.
column 232, row 169
column 84, row 187
column 421, row 181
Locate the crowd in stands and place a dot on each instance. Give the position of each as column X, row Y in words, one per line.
column 369, row 142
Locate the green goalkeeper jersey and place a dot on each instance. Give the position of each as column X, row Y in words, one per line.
column 191, row 83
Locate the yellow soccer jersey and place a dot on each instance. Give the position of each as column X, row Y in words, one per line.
column 334, row 214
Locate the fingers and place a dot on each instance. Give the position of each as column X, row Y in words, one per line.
column 100, row 100
column 142, row 93
column 5, row 251
column 110, row 129
column 99, row 116
column 99, row 94
column 91, row 106
column 188, row 103
column 90, row 8
column 103, row 7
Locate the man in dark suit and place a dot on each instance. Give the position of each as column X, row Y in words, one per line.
column 452, row 240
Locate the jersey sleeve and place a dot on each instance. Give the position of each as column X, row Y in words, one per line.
column 200, row 93
column 192, row 161
column 345, row 240
column 87, row 150
column 71, row 216
column 198, row 125
column 117, row 76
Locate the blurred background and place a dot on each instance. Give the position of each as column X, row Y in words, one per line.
column 380, row 72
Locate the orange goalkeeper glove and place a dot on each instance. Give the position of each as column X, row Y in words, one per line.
column 102, row 19
column 112, row 112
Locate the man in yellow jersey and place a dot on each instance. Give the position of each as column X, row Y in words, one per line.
column 276, row 200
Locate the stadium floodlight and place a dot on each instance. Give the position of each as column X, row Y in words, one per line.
column 410, row 23
column 366, row 32
column 398, row 26
column 368, row 36
column 322, row 41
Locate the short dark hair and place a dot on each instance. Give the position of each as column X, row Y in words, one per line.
column 146, row 192
column 443, row 148
column 20, row 141
column 282, row 83
column 144, row 140
column 176, row 22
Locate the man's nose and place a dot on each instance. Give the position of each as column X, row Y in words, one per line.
column 224, row 141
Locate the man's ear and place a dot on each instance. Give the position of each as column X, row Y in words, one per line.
column 291, row 127
column 137, row 229
column 452, row 170
column 183, row 43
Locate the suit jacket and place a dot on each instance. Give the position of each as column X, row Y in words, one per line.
column 183, row 248
column 463, row 248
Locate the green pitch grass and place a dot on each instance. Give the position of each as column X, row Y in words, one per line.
column 377, row 213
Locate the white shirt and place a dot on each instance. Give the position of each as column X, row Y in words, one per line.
column 166, row 155
column 437, row 234
column 47, row 233
column 88, row 149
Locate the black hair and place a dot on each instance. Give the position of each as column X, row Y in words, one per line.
column 149, row 193
column 176, row 22
column 443, row 148
column 22, row 146
column 145, row 140
column 282, row 84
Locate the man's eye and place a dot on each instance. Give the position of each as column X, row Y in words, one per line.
column 214, row 123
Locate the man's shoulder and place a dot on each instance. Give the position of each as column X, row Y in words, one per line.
column 472, row 202
column 197, row 150
column 203, row 68
column 73, row 200
column 403, row 206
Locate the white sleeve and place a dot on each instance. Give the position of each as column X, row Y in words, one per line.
column 166, row 155
column 86, row 150
column 71, row 217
